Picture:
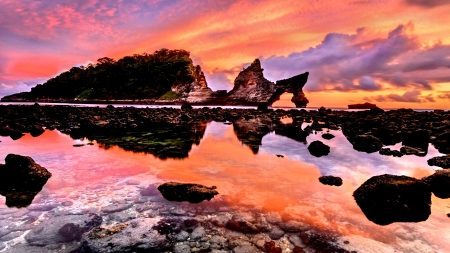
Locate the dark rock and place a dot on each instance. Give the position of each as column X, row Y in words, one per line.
column 366, row 143
column 440, row 161
column 442, row 142
column 330, row 180
column 193, row 193
column 62, row 229
column 417, row 139
column 439, row 183
column 327, row 136
column 78, row 145
column 387, row 198
column 21, row 178
column 271, row 247
column 318, row 149
column 412, row 151
column 168, row 226
column 250, row 87
column 186, row 107
column 281, row 156
column 389, row 152
column 134, row 236
column 262, row 107
column 362, row 106
column 36, row 131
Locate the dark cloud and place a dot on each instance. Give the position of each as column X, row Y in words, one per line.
column 427, row 3
column 445, row 96
column 414, row 96
column 348, row 62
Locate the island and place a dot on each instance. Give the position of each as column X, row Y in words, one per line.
column 366, row 105
column 162, row 78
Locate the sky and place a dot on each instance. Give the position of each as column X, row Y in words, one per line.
column 394, row 53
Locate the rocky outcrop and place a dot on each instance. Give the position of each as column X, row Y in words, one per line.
column 21, row 179
column 362, row 106
column 193, row 193
column 440, row 161
column 318, row 149
column 439, row 183
column 366, row 143
column 387, row 198
column 252, row 88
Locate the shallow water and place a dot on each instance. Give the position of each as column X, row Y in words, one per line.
column 94, row 178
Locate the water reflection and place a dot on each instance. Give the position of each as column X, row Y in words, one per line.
column 283, row 189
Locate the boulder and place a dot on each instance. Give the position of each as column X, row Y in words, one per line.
column 440, row 161
column 327, row 136
column 406, row 150
column 388, row 198
column 442, row 142
column 21, row 178
column 330, row 180
column 366, row 143
column 439, row 183
column 36, row 130
column 318, row 149
column 193, row 193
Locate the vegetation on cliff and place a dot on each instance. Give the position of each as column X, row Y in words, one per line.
column 144, row 76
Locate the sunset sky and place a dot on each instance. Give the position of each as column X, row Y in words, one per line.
column 395, row 53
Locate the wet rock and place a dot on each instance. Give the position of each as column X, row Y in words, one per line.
column 440, row 161
column 389, row 152
column 198, row 233
column 387, row 198
column 116, row 208
column 133, row 237
column 21, row 179
column 366, row 143
column 182, row 248
column 276, row 233
column 218, row 242
column 412, row 151
column 292, row 226
column 416, row 139
column 62, row 229
column 271, row 247
column 36, row 130
column 328, row 136
column 318, row 149
column 330, row 180
column 168, row 226
column 151, row 190
column 193, row 193
column 442, row 142
column 182, row 236
column 439, row 183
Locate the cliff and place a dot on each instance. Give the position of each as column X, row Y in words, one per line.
column 252, row 88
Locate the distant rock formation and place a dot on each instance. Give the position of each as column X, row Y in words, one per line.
column 252, row 88
column 366, row 105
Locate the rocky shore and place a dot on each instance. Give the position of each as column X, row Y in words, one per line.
column 150, row 223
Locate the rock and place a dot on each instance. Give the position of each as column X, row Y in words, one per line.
column 442, row 142
column 271, row 247
column 439, row 183
column 262, row 107
column 182, row 248
column 416, row 139
column 366, row 143
column 440, row 161
column 276, row 233
column 116, row 208
column 21, row 178
column 318, row 149
column 330, row 180
column 366, row 105
column 387, row 198
column 389, row 152
column 186, row 107
column 36, row 131
column 412, row 151
column 151, row 190
column 193, row 193
column 198, row 233
column 250, row 87
column 135, row 236
column 78, row 145
column 327, row 136
column 62, row 229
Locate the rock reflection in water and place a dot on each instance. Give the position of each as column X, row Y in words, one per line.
column 21, row 179
column 161, row 140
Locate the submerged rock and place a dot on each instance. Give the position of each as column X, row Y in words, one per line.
column 193, row 193
column 135, row 236
column 318, row 149
column 21, row 179
column 439, row 183
column 440, row 161
column 330, row 180
column 387, row 198
column 62, row 229
column 389, row 152
column 366, row 143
